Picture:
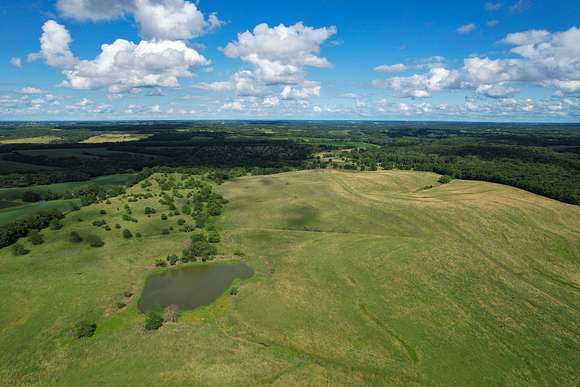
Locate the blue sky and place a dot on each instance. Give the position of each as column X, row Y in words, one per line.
column 516, row 60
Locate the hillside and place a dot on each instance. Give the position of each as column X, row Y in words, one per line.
column 360, row 278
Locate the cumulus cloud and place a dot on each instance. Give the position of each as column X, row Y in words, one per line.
column 391, row 68
column 549, row 59
column 16, row 62
column 121, row 65
column 465, row 29
column 30, row 90
column 157, row 19
column 277, row 59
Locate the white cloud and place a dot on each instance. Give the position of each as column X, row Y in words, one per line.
column 492, row 23
column 496, row 91
column 549, row 59
column 467, row 28
column 16, row 62
column 157, row 19
column 520, row 6
column 317, row 109
column 271, row 101
column 391, row 68
column 233, row 106
column 30, row 90
column 122, row 65
column 491, row 6
column 278, row 58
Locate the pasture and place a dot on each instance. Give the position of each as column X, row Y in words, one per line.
column 114, row 137
column 360, row 278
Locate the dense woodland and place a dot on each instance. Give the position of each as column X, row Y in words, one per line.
column 541, row 158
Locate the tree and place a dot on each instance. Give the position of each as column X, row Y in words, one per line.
column 56, row 225
column 154, row 321
column 84, row 329
column 172, row 313
column 95, row 241
column 35, row 238
column 214, row 237
column 172, row 259
column 445, row 179
column 19, row 250
column 75, row 237
column 127, row 234
column 31, row 196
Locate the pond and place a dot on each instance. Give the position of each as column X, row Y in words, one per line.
column 192, row 286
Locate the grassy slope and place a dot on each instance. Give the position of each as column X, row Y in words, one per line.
column 18, row 210
column 360, row 278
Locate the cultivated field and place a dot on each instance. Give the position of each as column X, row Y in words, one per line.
column 361, row 278
column 30, row 140
column 114, row 137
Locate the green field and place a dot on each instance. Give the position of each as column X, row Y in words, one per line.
column 361, row 279
column 103, row 181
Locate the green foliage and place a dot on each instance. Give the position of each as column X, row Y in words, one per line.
column 127, row 234
column 84, row 329
column 75, row 237
column 35, row 237
column 95, row 241
column 445, row 179
column 153, row 322
column 214, row 237
column 172, row 259
column 19, row 250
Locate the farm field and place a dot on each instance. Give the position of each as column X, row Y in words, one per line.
column 114, row 137
column 360, row 278
column 30, row 140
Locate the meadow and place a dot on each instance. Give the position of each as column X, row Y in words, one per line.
column 374, row 278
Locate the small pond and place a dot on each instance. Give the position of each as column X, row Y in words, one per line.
column 192, row 286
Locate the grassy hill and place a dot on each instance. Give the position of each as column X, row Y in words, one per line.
column 361, row 278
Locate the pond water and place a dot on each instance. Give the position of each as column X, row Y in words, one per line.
column 191, row 286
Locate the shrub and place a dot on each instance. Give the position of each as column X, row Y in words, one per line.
column 36, row 238
column 74, row 237
column 103, row 212
column 214, row 237
column 154, row 321
column 172, row 313
column 84, row 329
column 163, row 217
column 445, row 179
column 127, row 234
column 18, row 250
column 160, row 263
column 234, row 291
column 121, row 305
column 165, row 231
column 79, row 219
column 107, row 228
column 128, row 294
column 56, row 225
column 138, row 235
column 117, row 226
column 180, row 222
column 172, row 259
column 95, row 241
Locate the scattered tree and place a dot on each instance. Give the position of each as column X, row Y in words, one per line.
column 154, row 321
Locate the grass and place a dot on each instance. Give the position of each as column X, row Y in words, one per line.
column 360, row 278
column 114, row 137
column 30, row 140
column 12, row 208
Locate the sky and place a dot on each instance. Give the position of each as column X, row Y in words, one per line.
column 504, row 60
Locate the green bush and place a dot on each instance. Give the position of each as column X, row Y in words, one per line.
column 172, row 259
column 103, row 212
column 127, row 234
column 84, row 329
column 160, row 263
column 19, row 250
column 55, row 225
column 35, row 238
column 95, row 241
column 75, row 237
column 445, row 179
column 165, row 231
column 154, row 321
column 214, row 237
